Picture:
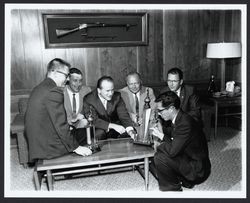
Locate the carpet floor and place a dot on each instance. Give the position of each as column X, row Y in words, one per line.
column 225, row 156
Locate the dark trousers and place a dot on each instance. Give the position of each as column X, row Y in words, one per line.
column 167, row 172
column 80, row 135
column 170, row 177
column 100, row 134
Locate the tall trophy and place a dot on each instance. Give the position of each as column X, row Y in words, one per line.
column 143, row 136
column 91, row 139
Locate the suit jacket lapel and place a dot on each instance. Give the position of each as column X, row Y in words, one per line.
column 182, row 95
column 67, row 101
column 131, row 100
column 100, row 105
column 81, row 95
column 142, row 98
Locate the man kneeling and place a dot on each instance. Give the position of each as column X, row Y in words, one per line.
column 182, row 157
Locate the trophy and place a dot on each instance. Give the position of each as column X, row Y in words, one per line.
column 143, row 137
column 91, row 139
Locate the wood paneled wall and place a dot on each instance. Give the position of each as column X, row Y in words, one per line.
column 176, row 38
column 186, row 34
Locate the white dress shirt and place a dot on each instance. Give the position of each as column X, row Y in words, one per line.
column 138, row 96
column 71, row 98
column 178, row 92
column 104, row 101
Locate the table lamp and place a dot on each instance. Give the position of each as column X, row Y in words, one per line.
column 222, row 51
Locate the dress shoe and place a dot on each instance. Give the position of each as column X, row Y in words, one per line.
column 187, row 184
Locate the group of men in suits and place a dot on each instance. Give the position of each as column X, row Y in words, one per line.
column 56, row 119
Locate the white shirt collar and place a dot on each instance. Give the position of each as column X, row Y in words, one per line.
column 178, row 92
column 71, row 92
column 173, row 121
column 104, row 101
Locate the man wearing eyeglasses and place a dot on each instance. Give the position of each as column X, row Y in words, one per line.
column 182, row 159
column 189, row 100
column 48, row 133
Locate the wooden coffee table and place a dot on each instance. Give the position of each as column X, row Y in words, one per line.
column 115, row 153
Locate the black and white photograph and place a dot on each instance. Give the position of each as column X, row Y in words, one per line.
column 125, row 100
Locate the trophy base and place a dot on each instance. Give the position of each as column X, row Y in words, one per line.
column 94, row 148
column 143, row 143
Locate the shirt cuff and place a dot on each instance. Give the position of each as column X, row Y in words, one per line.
column 161, row 136
column 129, row 128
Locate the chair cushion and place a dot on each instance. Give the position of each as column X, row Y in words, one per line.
column 22, row 105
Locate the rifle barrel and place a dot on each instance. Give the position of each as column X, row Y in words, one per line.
column 63, row 32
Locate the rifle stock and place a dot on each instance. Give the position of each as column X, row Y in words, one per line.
column 63, row 32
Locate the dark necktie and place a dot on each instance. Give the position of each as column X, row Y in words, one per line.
column 136, row 104
column 74, row 103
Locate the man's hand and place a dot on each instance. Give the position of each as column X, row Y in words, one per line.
column 83, row 151
column 77, row 117
column 83, row 123
column 136, row 119
column 155, row 131
column 118, row 128
column 132, row 134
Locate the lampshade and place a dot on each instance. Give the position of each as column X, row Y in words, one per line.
column 224, row 50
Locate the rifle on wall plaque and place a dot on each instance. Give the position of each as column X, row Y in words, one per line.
column 143, row 136
column 85, row 26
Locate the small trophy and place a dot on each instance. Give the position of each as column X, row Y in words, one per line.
column 91, row 140
column 143, row 137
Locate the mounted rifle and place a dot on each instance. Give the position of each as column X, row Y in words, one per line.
column 63, row 32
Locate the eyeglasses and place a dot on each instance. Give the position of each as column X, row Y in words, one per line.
column 161, row 110
column 174, row 81
column 65, row 74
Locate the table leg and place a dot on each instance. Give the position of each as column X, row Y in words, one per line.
column 146, row 170
column 50, row 180
column 216, row 120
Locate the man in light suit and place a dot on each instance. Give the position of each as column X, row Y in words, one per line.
column 134, row 95
column 182, row 158
column 73, row 103
column 47, row 130
column 111, row 117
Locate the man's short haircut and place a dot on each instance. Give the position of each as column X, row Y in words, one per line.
column 57, row 64
column 176, row 70
column 103, row 78
column 168, row 99
column 133, row 73
column 75, row 70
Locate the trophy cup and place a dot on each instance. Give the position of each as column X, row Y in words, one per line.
column 143, row 137
column 91, row 140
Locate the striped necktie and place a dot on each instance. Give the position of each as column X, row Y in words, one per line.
column 136, row 104
column 74, row 103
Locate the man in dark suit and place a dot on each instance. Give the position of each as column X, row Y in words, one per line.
column 111, row 117
column 47, row 130
column 186, row 93
column 182, row 159
column 73, row 103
